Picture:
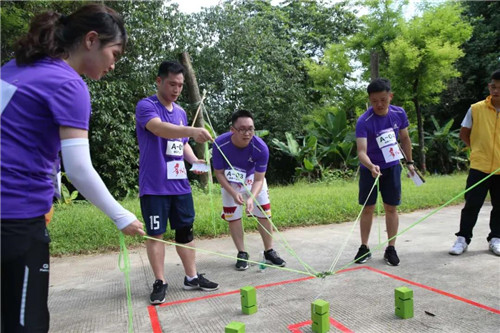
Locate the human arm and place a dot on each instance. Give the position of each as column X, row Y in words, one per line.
column 362, row 147
column 465, row 135
column 170, row 131
column 258, row 182
column 466, row 128
column 221, row 178
column 404, row 137
column 79, row 170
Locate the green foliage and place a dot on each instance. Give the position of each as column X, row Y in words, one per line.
column 67, row 198
column 329, row 145
column 82, row 228
column 446, row 151
column 305, row 155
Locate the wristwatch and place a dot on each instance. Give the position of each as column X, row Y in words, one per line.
column 410, row 162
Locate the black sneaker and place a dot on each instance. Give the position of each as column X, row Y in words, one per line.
column 272, row 257
column 159, row 291
column 363, row 255
column 390, row 256
column 200, row 283
column 241, row 265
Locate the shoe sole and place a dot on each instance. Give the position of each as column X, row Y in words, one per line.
column 457, row 254
column 241, row 268
column 389, row 263
column 362, row 261
column 271, row 263
column 156, row 302
column 199, row 288
column 495, row 253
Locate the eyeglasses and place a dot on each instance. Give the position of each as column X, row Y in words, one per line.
column 244, row 131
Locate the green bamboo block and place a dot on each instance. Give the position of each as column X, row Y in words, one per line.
column 320, row 307
column 320, row 323
column 403, row 293
column 249, row 309
column 248, row 296
column 404, row 309
column 235, row 327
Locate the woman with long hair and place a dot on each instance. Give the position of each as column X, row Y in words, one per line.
column 45, row 109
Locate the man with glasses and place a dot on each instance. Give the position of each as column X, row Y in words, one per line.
column 248, row 156
column 481, row 132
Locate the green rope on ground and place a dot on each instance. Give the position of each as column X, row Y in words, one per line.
column 124, row 265
column 282, row 240
column 227, row 256
column 346, row 240
column 425, row 217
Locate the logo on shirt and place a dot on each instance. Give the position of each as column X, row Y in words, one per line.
column 250, row 159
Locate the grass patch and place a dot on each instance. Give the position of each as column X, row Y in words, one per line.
column 81, row 228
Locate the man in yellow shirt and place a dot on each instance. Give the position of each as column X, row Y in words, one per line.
column 481, row 132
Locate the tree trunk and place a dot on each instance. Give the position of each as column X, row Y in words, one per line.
column 374, row 61
column 420, row 125
column 194, row 97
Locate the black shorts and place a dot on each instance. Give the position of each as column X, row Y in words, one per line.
column 157, row 210
column 389, row 184
column 25, row 275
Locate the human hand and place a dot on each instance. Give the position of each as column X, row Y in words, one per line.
column 134, row 228
column 201, row 135
column 375, row 170
column 199, row 172
column 249, row 205
column 238, row 198
column 411, row 169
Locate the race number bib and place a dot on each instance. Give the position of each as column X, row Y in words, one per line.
column 386, row 138
column 235, row 176
column 387, row 142
column 175, row 148
column 7, row 90
column 392, row 153
column 176, row 170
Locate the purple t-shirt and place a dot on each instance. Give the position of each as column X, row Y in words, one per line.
column 159, row 156
column 49, row 94
column 371, row 126
column 253, row 158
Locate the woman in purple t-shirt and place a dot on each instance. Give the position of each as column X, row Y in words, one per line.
column 45, row 109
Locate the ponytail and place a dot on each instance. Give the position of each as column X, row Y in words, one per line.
column 54, row 35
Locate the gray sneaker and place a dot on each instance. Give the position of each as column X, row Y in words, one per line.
column 495, row 245
column 459, row 247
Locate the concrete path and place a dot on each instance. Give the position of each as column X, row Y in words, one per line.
column 451, row 293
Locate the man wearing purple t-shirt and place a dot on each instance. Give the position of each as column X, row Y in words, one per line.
column 164, row 190
column 248, row 155
column 377, row 132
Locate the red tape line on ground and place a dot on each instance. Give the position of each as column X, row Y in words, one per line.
column 155, row 324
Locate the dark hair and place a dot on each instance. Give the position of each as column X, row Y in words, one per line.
column 170, row 67
column 379, row 85
column 54, row 35
column 496, row 75
column 240, row 114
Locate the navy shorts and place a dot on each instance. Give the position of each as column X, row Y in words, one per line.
column 157, row 210
column 389, row 184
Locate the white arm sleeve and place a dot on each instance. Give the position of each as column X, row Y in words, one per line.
column 81, row 173
column 467, row 122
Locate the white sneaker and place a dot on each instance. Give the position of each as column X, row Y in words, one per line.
column 495, row 246
column 460, row 246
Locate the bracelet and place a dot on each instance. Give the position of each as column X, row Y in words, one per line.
column 410, row 162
